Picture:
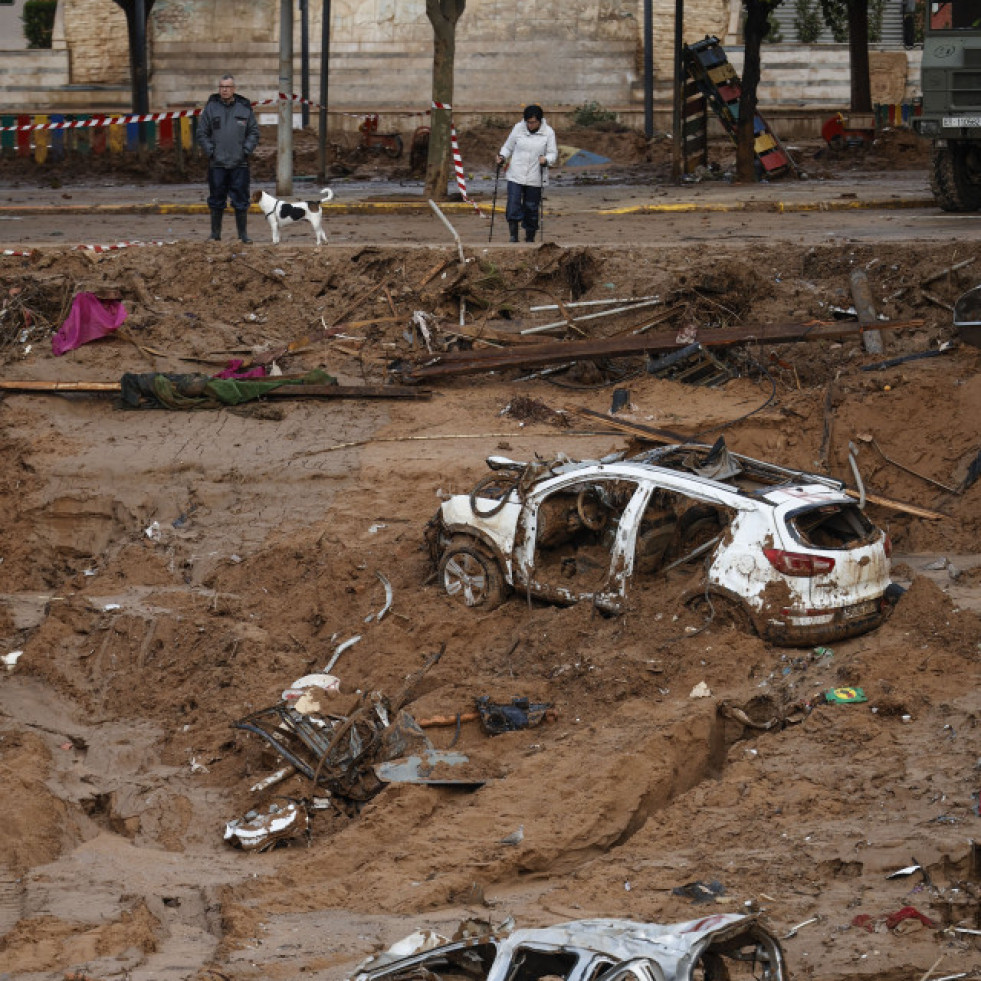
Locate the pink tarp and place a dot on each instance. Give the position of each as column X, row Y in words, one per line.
column 89, row 319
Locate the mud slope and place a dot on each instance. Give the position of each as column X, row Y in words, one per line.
column 165, row 573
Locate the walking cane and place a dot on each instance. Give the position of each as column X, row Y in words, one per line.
column 543, row 170
column 497, row 174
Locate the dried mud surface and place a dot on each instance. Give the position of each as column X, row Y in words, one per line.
column 166, row 573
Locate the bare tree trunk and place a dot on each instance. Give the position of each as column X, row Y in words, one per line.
column 137, row 13
column 443, row 15
column 757, row 28
column 858, row 55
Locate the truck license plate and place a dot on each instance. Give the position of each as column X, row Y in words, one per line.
column 954, row 122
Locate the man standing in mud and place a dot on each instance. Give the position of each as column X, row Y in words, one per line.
column 228, row 133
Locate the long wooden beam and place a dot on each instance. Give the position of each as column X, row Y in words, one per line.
column 284, row 392
column 451, row 363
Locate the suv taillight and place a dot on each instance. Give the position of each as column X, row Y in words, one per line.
column 798, row 563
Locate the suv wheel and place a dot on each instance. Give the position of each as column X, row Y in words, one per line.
column 470, row 576
column 722, row 611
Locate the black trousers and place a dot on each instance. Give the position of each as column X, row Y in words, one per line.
column 231, row 183
column 524, row 201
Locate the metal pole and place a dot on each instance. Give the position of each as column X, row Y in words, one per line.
column 305, row 62
column 141, row 100
column 676, row 134
column 141, row 97
column 284, row 143
column 324, row 72
column 648, row 69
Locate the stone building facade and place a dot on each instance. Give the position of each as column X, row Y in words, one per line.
column 558, row 52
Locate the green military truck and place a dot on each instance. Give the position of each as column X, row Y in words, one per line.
column 951, row 83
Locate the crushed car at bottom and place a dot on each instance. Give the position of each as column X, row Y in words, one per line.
column 789, row 553
column 728, row 946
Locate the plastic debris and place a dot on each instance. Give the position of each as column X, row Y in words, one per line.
column 257, row 831
column 701, row 892
column 845, row 695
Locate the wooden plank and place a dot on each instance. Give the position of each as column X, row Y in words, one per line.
column 346, row 392
column 452, row 363
column 286, row 391
column 888, row 502
column 648, row 433
column 56, row 386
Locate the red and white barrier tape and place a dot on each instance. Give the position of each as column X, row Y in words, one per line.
column 153, row 117
column 28, row 252
column 102, row 121
column 150, row 117
column 458, row 160
column 458, row 168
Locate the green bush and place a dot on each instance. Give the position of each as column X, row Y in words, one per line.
column 836, row 17
column 807, row 21
column 38, row 18
column 877, row 9
column 592, row 114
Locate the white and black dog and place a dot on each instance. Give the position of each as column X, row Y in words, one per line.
column 279, row 213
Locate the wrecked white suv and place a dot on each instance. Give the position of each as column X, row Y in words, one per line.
column 723, row 945
column 789, row 554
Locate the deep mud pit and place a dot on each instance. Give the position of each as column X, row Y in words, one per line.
column 166, row 573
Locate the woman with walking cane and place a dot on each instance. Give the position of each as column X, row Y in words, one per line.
column 529, row 150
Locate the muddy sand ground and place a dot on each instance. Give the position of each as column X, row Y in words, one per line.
column 165, row 573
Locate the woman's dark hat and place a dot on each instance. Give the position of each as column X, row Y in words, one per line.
column 533, row 112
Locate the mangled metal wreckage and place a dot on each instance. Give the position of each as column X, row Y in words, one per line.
column 348, row 746
column 722, row 946
column 786, row 552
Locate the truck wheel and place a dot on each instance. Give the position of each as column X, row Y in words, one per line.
column 955, row 177
column 470, row 576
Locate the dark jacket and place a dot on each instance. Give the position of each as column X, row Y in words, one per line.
column 228, row 134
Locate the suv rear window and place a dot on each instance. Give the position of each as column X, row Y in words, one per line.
column 832, row 526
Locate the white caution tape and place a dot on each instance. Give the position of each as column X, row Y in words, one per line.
column 119, row 245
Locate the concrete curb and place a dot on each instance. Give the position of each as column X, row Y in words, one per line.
column 462, row 207
column 773, row 206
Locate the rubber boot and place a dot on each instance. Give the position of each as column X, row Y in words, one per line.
column 513, row 227
column 241, row 220
column 216, row 215
column 529, row 234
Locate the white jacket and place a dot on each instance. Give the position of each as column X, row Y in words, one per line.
column 522, row 149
